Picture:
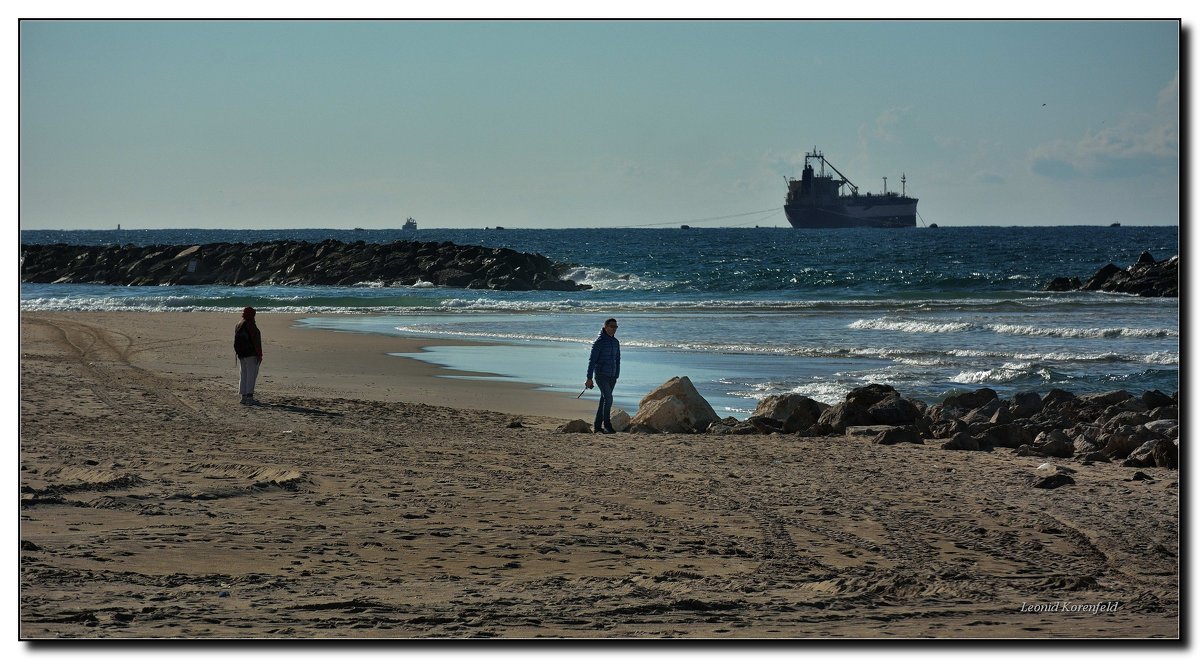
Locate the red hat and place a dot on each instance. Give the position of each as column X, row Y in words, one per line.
column 248, row 311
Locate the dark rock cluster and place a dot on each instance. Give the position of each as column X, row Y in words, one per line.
column 1146, row 278
column 1138, row 431
column 295, row 263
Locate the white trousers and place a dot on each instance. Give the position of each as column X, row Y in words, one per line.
column 249, row 374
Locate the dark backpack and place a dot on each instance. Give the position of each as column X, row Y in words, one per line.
column 242, row 344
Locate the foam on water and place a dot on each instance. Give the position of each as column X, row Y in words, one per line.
column 911, row 326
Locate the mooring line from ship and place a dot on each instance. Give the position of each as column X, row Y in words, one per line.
column 762, row 219
column 722, row 217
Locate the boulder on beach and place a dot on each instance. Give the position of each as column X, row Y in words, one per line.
column 1026, row 404
column 870, row 395
column 970, row 400
column 844, row 415
column 895, row 410
column 1049, row 475
column 619, row 419
column 1159, row 452
column 1054, row 443
column 675, row 407
column 866, row 432
column 961, row 442
column 575, row 426
column 897, row 434
column 794, row 412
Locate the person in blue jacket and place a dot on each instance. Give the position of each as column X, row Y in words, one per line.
column 605, row 364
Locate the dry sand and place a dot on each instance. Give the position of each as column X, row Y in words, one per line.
column 368, row 497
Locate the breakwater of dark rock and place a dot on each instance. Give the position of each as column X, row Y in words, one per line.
column 1117, row 426
column 1147, row 278
column 296, row 263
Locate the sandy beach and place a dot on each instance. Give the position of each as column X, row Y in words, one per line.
column 372, row 496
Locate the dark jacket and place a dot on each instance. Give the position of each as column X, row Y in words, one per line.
column 255, row 345
column 606, row 357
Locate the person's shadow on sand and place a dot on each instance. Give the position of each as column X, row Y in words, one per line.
column 298, row 409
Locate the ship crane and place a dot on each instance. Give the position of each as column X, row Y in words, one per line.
column 821, row 156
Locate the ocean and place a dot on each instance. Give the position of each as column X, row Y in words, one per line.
column 743, row 312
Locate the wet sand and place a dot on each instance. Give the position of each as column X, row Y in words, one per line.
column 369, row 497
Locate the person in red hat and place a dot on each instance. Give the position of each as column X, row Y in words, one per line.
column 247, row 344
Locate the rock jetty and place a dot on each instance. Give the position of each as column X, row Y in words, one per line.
column 1147, row 278
column 296, row 263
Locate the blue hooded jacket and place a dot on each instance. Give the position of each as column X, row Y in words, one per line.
column 606, row 357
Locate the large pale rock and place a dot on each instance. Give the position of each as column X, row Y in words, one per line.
column 675, row 407
column 699, row 413
column 668, row 415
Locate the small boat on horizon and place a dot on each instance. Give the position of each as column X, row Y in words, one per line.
column 1115, row 224
column 410, row 224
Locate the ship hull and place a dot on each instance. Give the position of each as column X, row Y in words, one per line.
column 888, row 216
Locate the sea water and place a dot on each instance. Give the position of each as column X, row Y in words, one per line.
column 744, row 313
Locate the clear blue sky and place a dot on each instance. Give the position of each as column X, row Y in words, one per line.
column 240, row 124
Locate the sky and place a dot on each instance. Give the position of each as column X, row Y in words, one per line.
column 545, row 124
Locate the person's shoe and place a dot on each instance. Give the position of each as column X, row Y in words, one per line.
column 247, row 401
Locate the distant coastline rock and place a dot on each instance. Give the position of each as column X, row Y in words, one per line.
column 296, row 263
column 1146, row 278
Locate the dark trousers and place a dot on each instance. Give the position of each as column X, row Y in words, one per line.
column 606, row 384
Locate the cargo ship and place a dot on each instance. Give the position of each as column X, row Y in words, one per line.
column 817, row 201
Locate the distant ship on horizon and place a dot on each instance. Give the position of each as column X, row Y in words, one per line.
column 816, row 201
column 410, row 224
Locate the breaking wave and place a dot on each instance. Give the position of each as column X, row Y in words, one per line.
column 895, row 325
column 911, row 326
